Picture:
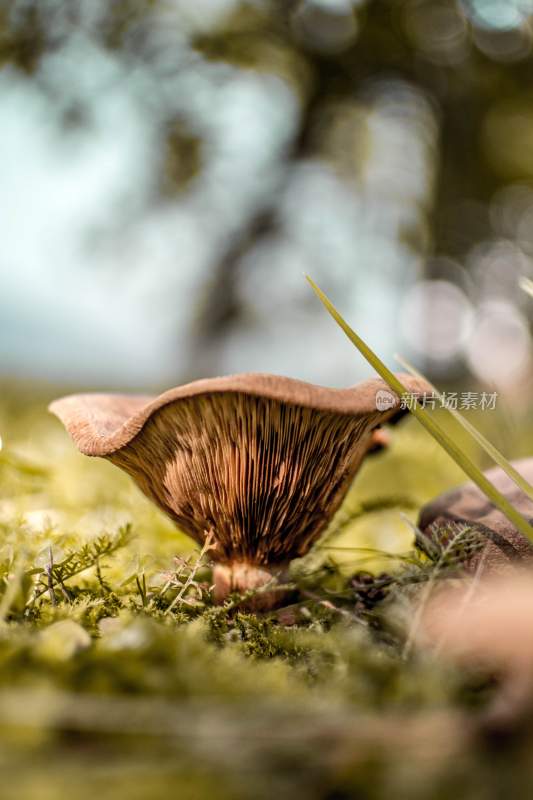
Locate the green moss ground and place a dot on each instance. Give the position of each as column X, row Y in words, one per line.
column 109, row 689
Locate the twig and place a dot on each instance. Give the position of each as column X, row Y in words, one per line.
column 208, row 545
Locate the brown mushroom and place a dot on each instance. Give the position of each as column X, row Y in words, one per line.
column 261, row 461
column 468, row 506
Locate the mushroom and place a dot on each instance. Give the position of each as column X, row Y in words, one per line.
column 262, row 462
column 468, row 506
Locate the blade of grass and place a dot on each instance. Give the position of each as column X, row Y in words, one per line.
column 440, row 435
column 487, row 446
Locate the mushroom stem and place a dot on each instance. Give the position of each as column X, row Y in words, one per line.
column 242, row 577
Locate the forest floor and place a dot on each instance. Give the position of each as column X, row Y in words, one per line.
column 120, row 679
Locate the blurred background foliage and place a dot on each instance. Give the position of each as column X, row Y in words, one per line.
column 169, row 169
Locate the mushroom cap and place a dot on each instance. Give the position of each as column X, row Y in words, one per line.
column 262, row 461
column 100, row 424
column 468, row 505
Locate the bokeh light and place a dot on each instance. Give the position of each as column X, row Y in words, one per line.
column 499, row 349
column 495, row 15
column 436, row 321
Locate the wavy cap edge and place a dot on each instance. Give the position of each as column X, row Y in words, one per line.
column 101, row 424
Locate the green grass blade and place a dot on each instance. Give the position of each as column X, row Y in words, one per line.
column 487, row 446
column 440, row 435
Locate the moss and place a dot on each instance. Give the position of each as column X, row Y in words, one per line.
column 110, row 685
